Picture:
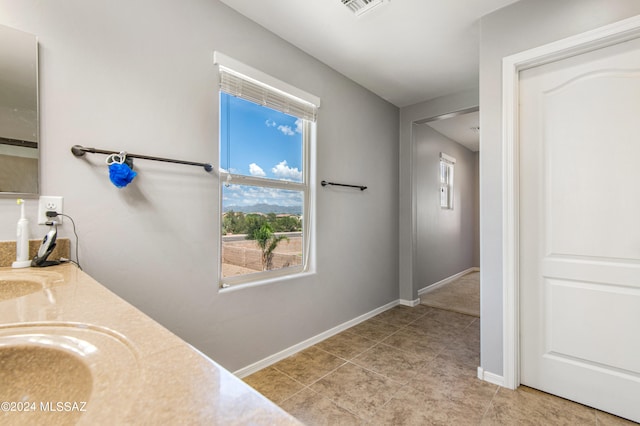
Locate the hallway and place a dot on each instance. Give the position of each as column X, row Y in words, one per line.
column 408, row 366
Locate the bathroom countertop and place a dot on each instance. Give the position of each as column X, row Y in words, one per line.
column 162, row 379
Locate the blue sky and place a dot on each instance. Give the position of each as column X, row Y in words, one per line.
column 258, row 141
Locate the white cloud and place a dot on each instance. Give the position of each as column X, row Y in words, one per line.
column 283, row 171
column 256, row 170
column 286, row 130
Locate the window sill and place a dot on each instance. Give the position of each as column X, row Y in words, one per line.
column 266, row 281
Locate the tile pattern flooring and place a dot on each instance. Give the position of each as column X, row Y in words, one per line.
column 460, row 295
column 408, row 366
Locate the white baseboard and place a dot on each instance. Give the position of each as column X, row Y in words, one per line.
column 272, row 359
column 490, row 377
column 447, row 280
column 410, row 303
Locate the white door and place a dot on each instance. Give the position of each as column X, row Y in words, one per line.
column 579, row 234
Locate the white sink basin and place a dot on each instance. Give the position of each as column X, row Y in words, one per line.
column 59, row 371
column 20, row 283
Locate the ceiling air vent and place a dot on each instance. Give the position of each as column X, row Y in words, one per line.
column 360, row 7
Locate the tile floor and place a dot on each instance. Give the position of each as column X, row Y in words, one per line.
column 408, row 366
column 460, row 295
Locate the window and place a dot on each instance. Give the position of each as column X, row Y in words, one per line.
column 265, row 139
column 446, row 180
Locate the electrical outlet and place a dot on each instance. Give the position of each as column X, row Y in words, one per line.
column 46, row 204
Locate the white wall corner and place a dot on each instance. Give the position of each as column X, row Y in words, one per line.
column 410, row 303
column 490, row 377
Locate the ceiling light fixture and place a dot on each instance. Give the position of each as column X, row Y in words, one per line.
column 360, row 7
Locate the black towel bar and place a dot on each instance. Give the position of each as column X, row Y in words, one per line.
column 79, row 151
column 360, row 187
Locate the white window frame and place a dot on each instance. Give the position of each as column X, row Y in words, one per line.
column 308, row 142
column 446, row 169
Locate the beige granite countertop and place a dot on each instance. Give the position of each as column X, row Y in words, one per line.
column 140, row 373
column 8, row 250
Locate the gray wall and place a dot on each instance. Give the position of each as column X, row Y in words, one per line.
column 476, row 206
column 139, row 76
column 407, row 212
column 445, row 238
column 521, row 26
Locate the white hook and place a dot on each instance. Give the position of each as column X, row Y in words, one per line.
column 116, row 158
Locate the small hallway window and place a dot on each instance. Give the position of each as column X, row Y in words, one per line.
column 447, row 163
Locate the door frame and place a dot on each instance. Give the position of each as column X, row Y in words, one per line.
column 618, row 32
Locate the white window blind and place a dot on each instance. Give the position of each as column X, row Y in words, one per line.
column 246, row 88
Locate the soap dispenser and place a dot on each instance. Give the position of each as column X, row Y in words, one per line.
column 22, row 241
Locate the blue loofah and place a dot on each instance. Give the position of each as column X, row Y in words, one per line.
column 121, row 175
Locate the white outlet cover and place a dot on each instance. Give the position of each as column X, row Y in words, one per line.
column 47, row 203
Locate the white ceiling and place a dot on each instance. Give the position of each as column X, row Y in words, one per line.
column 463, row 128
column 405, row 51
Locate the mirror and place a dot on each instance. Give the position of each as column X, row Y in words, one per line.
column 19, row 153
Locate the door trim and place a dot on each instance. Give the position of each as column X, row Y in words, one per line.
column 618, row 32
